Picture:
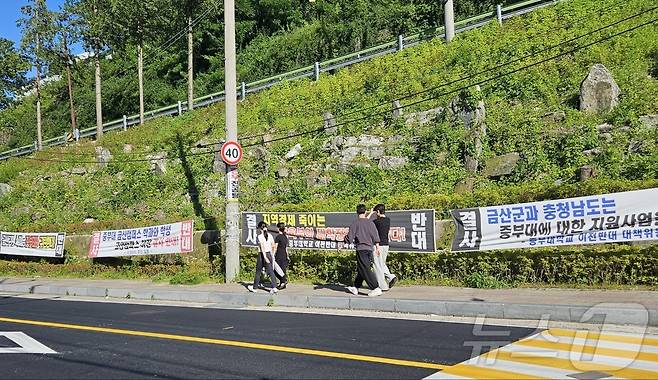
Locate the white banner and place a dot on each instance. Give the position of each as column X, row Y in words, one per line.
column 155, row 240
column 596, row 219
column 32, row 244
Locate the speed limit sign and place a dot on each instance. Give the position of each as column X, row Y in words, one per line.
column 232, row 152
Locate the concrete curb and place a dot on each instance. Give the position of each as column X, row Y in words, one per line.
column 563, row 313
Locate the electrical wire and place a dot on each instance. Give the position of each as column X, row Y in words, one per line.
column 432, row 97
column 599, row 11
column 470, row 76
column 458, row 89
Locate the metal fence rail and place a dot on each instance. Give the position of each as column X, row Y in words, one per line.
column 312, row 71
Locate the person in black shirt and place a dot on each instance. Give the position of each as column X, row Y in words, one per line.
column 383, row 223
column 281, row 258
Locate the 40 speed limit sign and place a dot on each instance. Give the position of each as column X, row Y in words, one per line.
column 231, row 152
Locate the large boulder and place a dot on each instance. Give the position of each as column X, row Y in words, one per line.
column 599, row 93
column 294, row 152
column 423, row 117
column 158, row 163
column 329, row 124
column 4, row 189
column 649, row 121
column 392, row 162
column 501, row 165
column 465, row 186
column 78, row 171
column 103, row 156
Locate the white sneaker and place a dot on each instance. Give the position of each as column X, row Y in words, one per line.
column 375, row 292
column 251, row 288
column 274, row 291
column 353, row 290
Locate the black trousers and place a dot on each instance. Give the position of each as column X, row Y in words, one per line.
column 260, row 263
column 283, row 264
column 364, row 270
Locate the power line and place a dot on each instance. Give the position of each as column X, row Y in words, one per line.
column 421, row 92
column 402, row 106
column 470, row 76
column 464, row 87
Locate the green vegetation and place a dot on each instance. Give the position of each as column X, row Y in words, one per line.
column 273, row 36
column 46, row 197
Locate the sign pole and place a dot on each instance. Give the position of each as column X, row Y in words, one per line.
column 232, row 242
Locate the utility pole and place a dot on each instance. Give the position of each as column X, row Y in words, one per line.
column 38, row 94
column 231, row 104
column 449, row 20
column 67, row 56
column 38, row 83
column 140, row 75
column 190, row 63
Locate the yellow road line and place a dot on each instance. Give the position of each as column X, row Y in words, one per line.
column 598, row 336
column 570, row 365
column 475, row 372
column 231, row 343
column 579, row 348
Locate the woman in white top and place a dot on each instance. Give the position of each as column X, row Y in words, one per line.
column 265, row 258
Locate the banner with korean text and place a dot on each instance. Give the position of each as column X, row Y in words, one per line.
column 411, row 231
column 597, row 219
column 32, row 244
column 155, row 240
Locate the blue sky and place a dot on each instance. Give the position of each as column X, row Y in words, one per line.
column 10, row 11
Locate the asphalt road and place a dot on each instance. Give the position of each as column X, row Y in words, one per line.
column 93, row 354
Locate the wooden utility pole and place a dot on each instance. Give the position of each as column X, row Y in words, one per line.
column 38, row 95
column 69, row 82
column 190, row 64
column 97, row 77
column 140, row 74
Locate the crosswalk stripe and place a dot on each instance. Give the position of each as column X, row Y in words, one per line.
column 572, row 365
column 477, row 372
column 566, row 355
column 634, row 339
column 604, row 344
column 582, row 349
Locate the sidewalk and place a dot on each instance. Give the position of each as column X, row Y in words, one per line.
column 568, row 305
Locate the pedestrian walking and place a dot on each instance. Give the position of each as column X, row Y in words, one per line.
column 265, row 258
column 385, row 278
column 364, row 236
column 281, row 257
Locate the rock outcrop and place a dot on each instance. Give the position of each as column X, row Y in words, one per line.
column 599, row 93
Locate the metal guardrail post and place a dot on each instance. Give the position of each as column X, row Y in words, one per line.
column 400, row 42
column 180, row 108
column 316, row 71
column 35, row 147
column 125, row 122
column 499, row 13
column 243, row 91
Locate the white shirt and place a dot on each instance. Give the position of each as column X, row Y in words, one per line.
column 268, row 244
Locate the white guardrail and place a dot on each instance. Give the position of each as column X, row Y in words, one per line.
column 313, row 71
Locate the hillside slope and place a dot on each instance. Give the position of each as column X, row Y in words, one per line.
column 46, row 197
column 532, row 112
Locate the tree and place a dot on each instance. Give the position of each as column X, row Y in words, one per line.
column 92, row 20
column 61, row 56
column 13, row 67
column 139, row 23
column 36, row 41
